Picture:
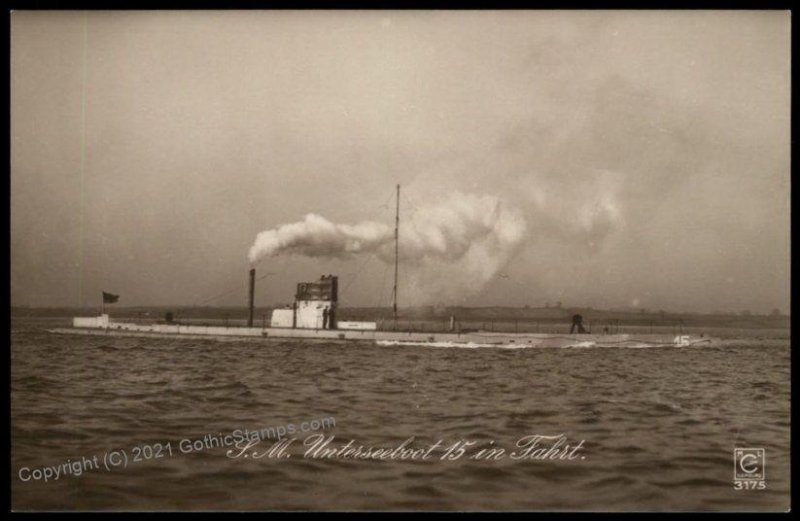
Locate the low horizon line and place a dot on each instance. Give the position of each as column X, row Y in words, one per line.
column 643, row 311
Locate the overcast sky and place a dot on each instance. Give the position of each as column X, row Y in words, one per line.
column 646, row 153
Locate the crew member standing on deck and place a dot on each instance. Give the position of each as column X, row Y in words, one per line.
column 325, row 314
column 577, row 323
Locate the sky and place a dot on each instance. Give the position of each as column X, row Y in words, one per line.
column 601, row 158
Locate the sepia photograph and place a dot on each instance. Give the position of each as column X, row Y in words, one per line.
column 400, row 260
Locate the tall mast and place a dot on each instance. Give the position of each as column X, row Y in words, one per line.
column 396, row 249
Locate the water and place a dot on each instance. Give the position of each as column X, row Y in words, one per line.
column 659, row 425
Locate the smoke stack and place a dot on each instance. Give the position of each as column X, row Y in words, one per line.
column 252, row 296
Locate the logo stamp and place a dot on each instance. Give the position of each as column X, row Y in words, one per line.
column 749, row 469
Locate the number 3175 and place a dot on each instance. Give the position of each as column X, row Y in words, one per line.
column 749, row 485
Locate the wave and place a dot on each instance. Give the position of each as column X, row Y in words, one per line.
column 621, row 344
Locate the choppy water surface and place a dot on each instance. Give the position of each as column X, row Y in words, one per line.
column 659, row 425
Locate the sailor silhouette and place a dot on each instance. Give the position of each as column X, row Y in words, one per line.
column 577, row 322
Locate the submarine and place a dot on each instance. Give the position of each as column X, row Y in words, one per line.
column 313, row 317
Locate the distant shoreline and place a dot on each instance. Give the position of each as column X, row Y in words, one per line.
column 486, row 317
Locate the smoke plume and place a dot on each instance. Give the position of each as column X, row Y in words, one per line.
column 315, row 236
column 468, row 237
